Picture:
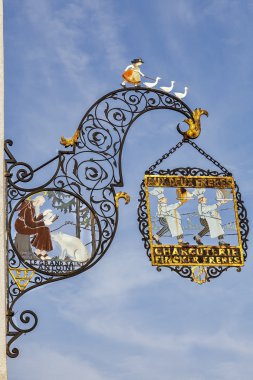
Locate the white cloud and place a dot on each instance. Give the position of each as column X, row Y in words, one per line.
column 60, row 76
column 118, row 324
column 47, row 363
column 65, row 31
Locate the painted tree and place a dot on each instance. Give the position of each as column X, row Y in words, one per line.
column 67, row 203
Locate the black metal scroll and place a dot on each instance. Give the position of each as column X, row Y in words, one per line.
column 88, row 172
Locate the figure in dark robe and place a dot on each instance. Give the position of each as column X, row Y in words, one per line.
column 28, row 223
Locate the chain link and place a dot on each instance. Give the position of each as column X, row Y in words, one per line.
column 208, row 157
column 195, row 146
column 166, row 155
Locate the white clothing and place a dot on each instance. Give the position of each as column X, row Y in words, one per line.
column 158, row 192
column 172, row 216
column 213, row 218
column 134, row 68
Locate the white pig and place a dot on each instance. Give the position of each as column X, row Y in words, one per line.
column 71, row 246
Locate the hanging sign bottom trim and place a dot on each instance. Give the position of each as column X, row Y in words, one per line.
column 176, row 255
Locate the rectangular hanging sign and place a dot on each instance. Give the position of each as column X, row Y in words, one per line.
column 193, row 221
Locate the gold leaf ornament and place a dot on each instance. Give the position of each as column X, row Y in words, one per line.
column 199, row 274
column 70, row 141
column 124, row 195
column 194, row 124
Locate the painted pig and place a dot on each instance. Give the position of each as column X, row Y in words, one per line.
column 71, row 247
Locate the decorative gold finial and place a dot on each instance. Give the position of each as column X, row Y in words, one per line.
column 124, row 195
column 194, row 124
column 199, row 274
column 71, row 141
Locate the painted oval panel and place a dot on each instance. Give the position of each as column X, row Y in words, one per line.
column 54, row 232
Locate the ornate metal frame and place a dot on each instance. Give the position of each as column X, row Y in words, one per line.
column 184, row 271
column 89, row 170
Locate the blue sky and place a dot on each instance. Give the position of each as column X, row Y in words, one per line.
column 122, row 320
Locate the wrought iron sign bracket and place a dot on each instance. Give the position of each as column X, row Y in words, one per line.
column 63, row 225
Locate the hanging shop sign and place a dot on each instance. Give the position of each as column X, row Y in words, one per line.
column 193, row 220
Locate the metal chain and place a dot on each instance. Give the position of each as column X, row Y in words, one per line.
column 208, row 157
column 166, row 155
column 195, row 146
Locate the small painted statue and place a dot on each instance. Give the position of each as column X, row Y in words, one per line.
column 132, row 73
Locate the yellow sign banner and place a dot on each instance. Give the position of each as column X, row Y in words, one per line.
column 191, row 255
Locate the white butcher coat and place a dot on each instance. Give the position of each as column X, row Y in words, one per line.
column 172, row 216
column 213, row 218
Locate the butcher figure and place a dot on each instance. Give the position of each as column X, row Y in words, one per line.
column 169, row 218
column 210, row 219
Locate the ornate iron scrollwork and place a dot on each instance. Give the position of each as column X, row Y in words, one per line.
column 87, row 173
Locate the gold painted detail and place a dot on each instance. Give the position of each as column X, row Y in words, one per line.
column 124, row 195
column 21, row 277
column 199, row 275
column 189, row 181
column 194, row 124
column 183, row 195
column 71, row 141
column 40, row 192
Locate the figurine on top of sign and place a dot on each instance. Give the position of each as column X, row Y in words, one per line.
column 132, row 73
